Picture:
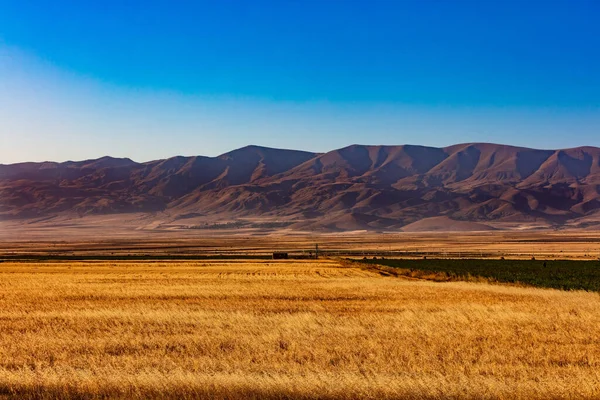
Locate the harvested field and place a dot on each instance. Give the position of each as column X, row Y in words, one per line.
column 286, row 329
column 572, row 245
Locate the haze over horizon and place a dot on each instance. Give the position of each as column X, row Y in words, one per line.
column 151, row 80
column 250, row 147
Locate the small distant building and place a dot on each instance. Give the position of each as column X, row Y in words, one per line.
column 280, row 256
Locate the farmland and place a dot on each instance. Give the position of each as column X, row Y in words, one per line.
column 556, row 274
column 286, row 329
column 112, row 241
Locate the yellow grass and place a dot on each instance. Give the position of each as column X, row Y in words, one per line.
column 286, row 329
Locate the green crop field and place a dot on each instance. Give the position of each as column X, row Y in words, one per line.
column 560, row 274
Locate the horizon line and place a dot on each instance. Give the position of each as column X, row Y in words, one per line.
column 301, row 151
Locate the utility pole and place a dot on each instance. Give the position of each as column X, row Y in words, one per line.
column 316, row 251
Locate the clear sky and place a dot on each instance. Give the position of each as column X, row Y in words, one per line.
column 154, row 79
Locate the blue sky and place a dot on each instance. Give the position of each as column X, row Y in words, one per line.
column 156, row 79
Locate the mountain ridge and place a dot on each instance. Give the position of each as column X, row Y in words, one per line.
column 355, row 187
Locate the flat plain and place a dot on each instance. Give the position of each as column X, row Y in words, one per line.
column 105, row 237
column 286, row 329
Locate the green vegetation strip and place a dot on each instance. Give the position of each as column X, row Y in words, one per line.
column 560, row 274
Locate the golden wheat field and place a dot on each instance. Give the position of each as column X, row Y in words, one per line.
column 286, row 329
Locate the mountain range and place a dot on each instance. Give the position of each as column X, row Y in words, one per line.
column 474, row 186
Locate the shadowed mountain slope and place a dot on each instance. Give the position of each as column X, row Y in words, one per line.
column 461, row 187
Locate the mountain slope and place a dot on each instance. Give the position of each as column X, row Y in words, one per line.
column 466, row 186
